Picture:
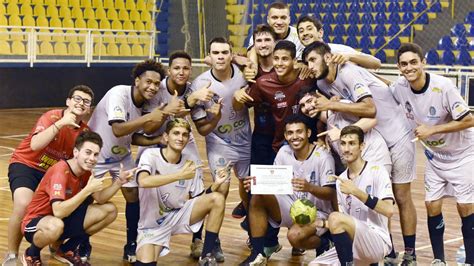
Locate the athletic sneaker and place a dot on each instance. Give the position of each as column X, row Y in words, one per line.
column 438, row 262
column 217, row 252
column 10, row 259
column 70, row 258
column 85, row 250
column 209, row 260
column 297, row 252
column 30, row 260
column 129, row 252
column 249, row 244
column 259, row 260
column 408, row 260
column 196, row 248
column 389, row 261
column 239, row 211
column 269, row 251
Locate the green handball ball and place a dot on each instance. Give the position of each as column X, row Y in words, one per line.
column 303, row 212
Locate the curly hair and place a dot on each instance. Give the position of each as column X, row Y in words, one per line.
column 148, row 65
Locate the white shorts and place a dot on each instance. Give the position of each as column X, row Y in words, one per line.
column 368, row 247
column 284, row 203
column 457, row 182
column 114, row 168
column 219, row 156
column 177, row 222
column 403, row 161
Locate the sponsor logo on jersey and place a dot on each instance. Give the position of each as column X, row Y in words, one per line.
column 459, row 109
column 118, row 112
column 279, row 96
column 57, row 193
column 118, row 150
column 227, row 128
column 46, row 162
column 57, row 186
column 435, row 143
column 346, row 94
column 359, row 90
column 282, row 105
column 375, row 168
column 436, row 89
column 409, row 109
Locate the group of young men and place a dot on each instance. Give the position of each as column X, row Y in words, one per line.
column 354, row 170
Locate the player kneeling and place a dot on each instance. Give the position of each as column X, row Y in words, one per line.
column 61, row 206
column 167, row 178
column 364, row 192
column 311, row 168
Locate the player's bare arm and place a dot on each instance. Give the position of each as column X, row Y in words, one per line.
column 207, row 125
column 203, row 94
column 383, row 206
column 143, row 140
column 425, row 131
column 361, row 59
column 43, row 138
column 241, row 97
column 62, row 209
column 324, row 193
column 146, row 180
column 109, row 191
column 364, row 108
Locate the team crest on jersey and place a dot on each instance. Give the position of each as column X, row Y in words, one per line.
column 346, row 94
column 57, row 186
column 282, row 105
column 313, row 179
column 295, row 109
column 409, row 112
column 316, row 154
column 458, row 109
column 432, row 113
column 368, row 189
column 279, row 96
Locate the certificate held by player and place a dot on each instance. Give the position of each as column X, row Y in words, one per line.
column 271, row 179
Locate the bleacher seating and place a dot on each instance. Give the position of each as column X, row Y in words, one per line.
column 60, row 23
column 367, row 24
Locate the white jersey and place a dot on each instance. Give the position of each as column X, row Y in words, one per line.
column 156, row 203
column 356, row 83
column 375, row 149
column 439, row 102
column 233, row 129
column 164, row 96
column 292, row 36
column 375, row 181
column 341, row 48
column 315, row 169
column 116, row 106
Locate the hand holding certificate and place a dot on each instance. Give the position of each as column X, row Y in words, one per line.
column 271, row 179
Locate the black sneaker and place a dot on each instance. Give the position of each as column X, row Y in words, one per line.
column 129, row 252
column 85, row 250
column 217, row 252
column 297, row 252
column 239, row 211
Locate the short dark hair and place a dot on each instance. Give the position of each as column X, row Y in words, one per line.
column 89, row 136
column 319, row 47
column 84, row 88
column 148, row 65
column 349, row 130
column 308, row 18
column 278, row 5
column 179, row 54
column 219, row 40
column 261, row 28
column 410, row 47
column 287, row 46
column 297, row 118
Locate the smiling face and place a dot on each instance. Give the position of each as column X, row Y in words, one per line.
column 283, row 63
column 307, row 103
column 411, row 66
column 177, row 138
column 351, row 147
column 308, row 33
column 317, row 64
column 87, row 155
column 264, row 44
column 147, row 84
column 279, row 20
column 179, row 71
column 79, row 103
column 297, row 135
column 221, row 56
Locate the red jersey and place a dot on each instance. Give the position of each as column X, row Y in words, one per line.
column 59, row 183
column 262, row 113
column 60, row 148
column 282, row 99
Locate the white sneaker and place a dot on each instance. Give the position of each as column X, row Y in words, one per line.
column 10, row 259
column 260, row 260
column 438, row 262
column 196, row 248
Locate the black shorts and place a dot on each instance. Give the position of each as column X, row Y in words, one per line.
column 261, row 149
column 20, row 175
column 73, row 224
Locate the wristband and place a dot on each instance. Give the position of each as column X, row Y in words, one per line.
column 371, row 202
column 209, row 190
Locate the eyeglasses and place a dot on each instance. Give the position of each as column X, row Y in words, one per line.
column 84, row 101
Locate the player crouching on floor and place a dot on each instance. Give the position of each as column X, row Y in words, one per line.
column 169, row 183
column 61, row 206
column 311, row 168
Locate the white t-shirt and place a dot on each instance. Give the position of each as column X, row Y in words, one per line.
column 156, row 203
column 315, row 169
column 292, row 36
column 116, row 106
column 439, row 102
